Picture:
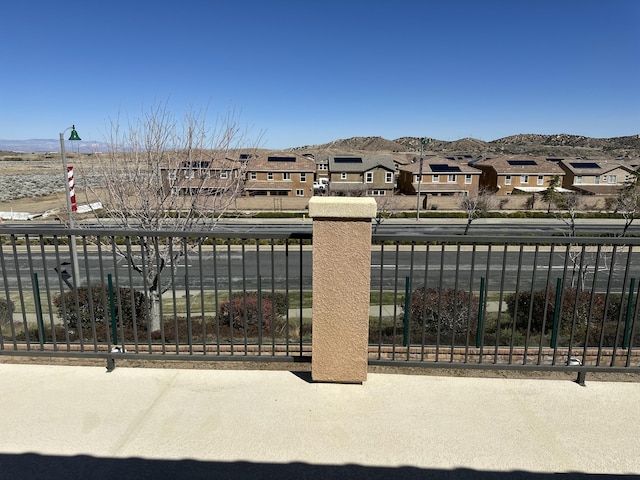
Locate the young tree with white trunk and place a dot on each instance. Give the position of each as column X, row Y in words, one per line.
column 164, row 174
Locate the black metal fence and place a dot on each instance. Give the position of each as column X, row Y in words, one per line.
column 176, row 295
column 507, row 302
column 446, row 301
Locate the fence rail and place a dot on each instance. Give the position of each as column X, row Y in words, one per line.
column 447, row 301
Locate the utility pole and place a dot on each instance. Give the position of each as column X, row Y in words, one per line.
column 423, row 142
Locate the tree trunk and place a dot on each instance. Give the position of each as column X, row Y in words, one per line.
column 154, row 314
column 466, row 229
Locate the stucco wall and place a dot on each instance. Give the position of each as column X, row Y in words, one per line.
column 341, row 285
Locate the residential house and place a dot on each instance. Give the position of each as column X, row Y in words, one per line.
column 279, row 174
column 373, row 175
column 595, row 177
column 438, row 176
column 506, row 175
column 202, row 177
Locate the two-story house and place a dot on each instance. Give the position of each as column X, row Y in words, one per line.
column 279, row 174
column 595, row 177
column 438, row 176
column 202, row 177
column 504, row 175
column 373, row 175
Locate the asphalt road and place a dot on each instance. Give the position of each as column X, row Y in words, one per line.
column 291, row 268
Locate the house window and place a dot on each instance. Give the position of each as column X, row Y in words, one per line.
column 299, row 192
column 468, row 178
column 303, row 177
column 172, row 175
column 323, row 166
column 524, row 178
column 435, row 178
column 189, row 173
column 416, row 178
column 452, row 178
column 578, row 179
column 597, row 180
column 254, row 176
column 369, row 177
column 224, row 174
column 507, row 179
column 378, row 193
column 540, row 180
column 389, row 177
column 612, row 179
column 286, row 176
column 343, row 176
column 270, row 176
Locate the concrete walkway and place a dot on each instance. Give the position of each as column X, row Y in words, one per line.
column 81, row 422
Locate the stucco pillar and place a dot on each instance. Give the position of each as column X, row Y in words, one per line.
column 341, row 285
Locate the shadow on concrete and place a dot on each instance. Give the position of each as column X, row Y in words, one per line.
column 36, row 467
column 306, row 376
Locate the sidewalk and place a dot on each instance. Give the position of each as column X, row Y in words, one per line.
column 80, row 422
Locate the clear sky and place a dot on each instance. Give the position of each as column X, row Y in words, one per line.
column 306, row 72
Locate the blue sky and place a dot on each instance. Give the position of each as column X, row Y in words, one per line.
column 304, row 72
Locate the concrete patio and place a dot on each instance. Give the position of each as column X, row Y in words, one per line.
column 63, row 421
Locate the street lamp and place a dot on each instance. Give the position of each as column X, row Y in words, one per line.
column 74, row 252
column 423, row 142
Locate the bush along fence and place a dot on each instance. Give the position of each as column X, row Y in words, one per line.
column 507, row 303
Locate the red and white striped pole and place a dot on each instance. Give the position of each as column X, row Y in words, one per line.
column 72, row 192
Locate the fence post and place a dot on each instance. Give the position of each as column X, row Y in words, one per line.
column 341, row 287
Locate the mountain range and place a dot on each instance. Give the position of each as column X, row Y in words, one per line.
column 558, row 145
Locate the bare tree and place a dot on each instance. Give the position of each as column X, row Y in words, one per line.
column 386, row 205
column 568, row 205
column 550, row 194
column 164, row 174
column 476, row 206
column 628, row 201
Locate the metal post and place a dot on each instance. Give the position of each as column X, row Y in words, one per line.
column 422, row 144
column 72, row 239
column 480, row 313
column 112, row 307
column 38, row 302
column 627, row 323
column 556, row 313
column 407, row 310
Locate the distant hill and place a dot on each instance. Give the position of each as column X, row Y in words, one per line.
column 560, row 145
column 39, row 145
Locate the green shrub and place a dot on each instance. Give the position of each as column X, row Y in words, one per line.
column 6, row 311
column 573, row 303
column 102, row 312
column 449, row 310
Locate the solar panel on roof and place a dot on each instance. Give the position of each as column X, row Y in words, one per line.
column 521, row 163
column 347, row 160
column 584, row 165
column 443, row 168
column 281, row 159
